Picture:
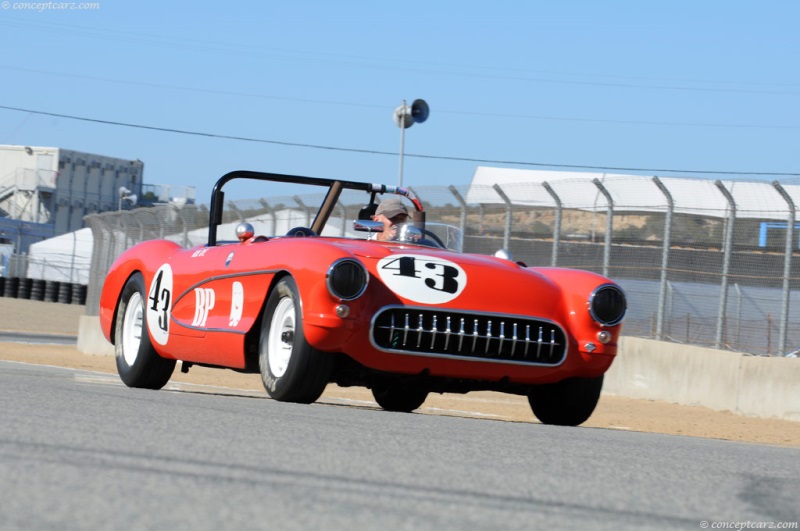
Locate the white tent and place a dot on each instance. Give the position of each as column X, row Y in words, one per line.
column 65, row 258
column 757, row 200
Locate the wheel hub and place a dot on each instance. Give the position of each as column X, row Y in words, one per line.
column 281, row 337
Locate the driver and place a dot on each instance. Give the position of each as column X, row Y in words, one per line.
column 390, row 212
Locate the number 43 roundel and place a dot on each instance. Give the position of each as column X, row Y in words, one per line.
column 422, row 278
column 158, row 302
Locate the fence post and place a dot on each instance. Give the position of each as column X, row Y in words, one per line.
column 662, row 289
column 787, row 267
column 557, row 226
column 233, row 208
column 343, row 210
column 507, row 232
column 726, row 263
column 460, row 199
column 303, row 206
column 271, row 212
column 184, row 231
column 98, row 266
column 609, row 225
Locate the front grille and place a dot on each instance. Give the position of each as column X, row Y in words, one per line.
column 472, row 335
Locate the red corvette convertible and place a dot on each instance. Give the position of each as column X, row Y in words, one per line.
column 403, row 318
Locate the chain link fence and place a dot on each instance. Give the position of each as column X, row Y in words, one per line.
column 705, row 267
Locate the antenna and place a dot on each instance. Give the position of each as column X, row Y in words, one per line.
column 404, row 117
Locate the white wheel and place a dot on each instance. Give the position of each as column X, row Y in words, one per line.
column 281, row 337
column 291, row 369
column 132, row 323
column 138, row 363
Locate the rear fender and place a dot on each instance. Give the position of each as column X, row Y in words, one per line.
column 146, row 258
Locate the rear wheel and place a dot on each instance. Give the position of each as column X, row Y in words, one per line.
column 138, row 364
column 394, row 396
column 567, row 403
column 291, row 369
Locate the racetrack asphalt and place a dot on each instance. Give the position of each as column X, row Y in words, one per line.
column 47, row 321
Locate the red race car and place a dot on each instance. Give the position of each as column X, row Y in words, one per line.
column 403, row 317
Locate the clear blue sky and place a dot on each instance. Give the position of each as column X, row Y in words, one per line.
column 683, row 85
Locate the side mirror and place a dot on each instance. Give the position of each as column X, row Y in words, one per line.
column 367, row 225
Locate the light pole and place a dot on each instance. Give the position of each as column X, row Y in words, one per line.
column 405, row 116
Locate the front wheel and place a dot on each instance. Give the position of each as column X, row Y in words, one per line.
column 393, row 396
column 291, row 369
column 567, row 403
column 138, row 363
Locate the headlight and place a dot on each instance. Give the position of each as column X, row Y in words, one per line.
column 347, row 279
column 607, row 305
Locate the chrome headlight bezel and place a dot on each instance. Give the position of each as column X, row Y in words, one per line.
column 347, row 289
column 605, row 311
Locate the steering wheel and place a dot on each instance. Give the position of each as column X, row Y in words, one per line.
column 301, row 231
column 434, row 237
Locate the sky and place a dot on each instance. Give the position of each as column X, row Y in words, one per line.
column 197, row 89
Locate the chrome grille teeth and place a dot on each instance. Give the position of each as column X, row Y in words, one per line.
column 435, row 331
column 514, row 341
column 461, row 335
column 420, row 329
column 539, row 343
column 550, row 341
column 527, row 339
column 391, row 329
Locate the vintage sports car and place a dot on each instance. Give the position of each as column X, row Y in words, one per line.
column 403, row 318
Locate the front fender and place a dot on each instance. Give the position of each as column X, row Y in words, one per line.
column 577, row 286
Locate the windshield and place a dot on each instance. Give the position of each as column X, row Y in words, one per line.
column 434, row 235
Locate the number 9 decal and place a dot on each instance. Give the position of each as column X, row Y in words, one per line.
column 158, row 303
column 422, row 278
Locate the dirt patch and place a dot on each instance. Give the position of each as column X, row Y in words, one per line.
column 611, row 413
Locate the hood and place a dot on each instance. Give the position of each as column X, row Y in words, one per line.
column 423, row 276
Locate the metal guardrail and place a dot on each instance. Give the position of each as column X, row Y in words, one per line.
column 691, row 275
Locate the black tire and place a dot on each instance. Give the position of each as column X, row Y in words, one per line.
column 51, row 291
column 24, row 289
column 291, row 370
column 37, row 289
column 11, row 287
column 65, row 293
column 567, row 403
column 138, row 364
column 394, row 396
column 79, row 294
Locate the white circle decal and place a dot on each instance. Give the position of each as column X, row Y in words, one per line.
column 424, row 279
column 158, row 303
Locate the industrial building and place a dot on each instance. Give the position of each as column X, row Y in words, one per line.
column 46, row 191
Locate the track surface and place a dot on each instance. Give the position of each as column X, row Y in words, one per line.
column 79, row 450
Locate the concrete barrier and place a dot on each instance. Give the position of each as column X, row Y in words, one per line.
column 91, row 339
column 755, row 386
